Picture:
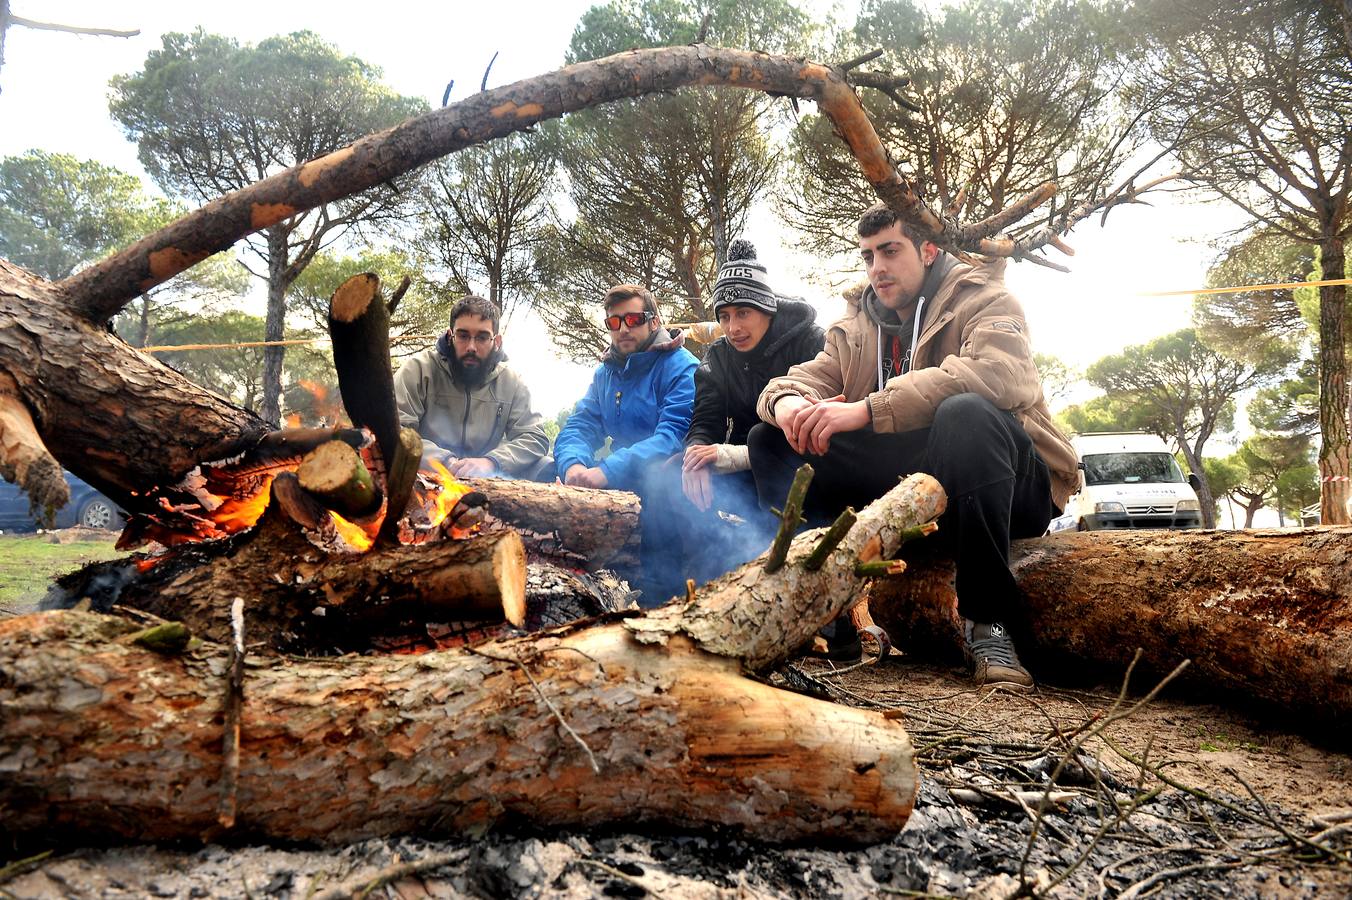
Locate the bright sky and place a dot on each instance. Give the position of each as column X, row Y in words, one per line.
column 55, row 98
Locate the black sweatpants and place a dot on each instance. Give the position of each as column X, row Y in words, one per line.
column 998, row 488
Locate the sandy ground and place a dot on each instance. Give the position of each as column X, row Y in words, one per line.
column 1273, row 821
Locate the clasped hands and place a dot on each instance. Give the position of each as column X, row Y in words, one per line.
column 579, row 475
column 809, row 423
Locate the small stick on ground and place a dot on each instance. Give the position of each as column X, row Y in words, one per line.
column 234, row 703
column 789, row 519
column 834, row 535
column 357, row 888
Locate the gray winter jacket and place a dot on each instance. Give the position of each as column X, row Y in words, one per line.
column 493, row 420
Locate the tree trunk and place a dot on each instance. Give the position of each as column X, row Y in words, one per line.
column 128, row 428
column 117, row 418
column 645, row 720
column 1334, row 467
column 337, row 750
column 1204, row 495
column 275, row 327
column 1265, row 616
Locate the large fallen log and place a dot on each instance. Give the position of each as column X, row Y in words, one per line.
column 1265, row 616
column 645, row 719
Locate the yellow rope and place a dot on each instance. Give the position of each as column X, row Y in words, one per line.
column 166, row 348
column 1290, row 285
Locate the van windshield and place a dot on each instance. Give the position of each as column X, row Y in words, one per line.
column 1131, row 468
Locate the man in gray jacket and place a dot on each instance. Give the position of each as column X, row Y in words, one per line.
column 473, row 413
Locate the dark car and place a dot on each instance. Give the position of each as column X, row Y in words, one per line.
column 87, row 507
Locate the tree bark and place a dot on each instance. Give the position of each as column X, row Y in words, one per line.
column 1265, row 616
column 1335, row 466
column 119, row 419
column 644, row 720
column 596, row 529
column 274, row 328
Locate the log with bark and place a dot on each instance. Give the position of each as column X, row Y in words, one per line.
column 304, row 598
column 645, row 719
column 1265, row 616
column 595, row 529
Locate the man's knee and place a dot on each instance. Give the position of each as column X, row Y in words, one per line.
column 763, row 439
column 962, row 412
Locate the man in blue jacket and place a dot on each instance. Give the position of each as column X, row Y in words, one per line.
column 641, row 397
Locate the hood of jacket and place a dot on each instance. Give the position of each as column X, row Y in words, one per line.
column 674, row 340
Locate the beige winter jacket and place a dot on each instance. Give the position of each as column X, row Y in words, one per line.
column 973, row 340
column 493, row 420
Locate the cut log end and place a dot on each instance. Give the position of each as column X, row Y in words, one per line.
column 335, row 472
column 354, row 296
column 509, row 571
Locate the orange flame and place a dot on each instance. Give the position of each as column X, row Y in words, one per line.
column 445, row 499
column 328, row 410
column 353, row 533
column 237, row 514
column 293, row 420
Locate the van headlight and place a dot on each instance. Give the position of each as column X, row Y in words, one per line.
column 1109, row 506
column 1189, row 506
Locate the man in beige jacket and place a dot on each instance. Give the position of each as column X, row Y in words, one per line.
column 930, row 370
column 472, row 412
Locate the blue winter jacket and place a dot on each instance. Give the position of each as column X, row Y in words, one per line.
column 642, row 403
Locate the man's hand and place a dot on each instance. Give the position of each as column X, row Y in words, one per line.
column 698, row 487
column 787, row 410
column 472, row 467
column 697, row 456
column 817, row 420
column 579, row 475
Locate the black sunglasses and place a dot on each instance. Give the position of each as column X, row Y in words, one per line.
column 632, row 319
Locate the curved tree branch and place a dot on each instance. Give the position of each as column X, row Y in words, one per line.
column 99, row 291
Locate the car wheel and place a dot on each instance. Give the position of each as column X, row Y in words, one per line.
column 98, row 512
column 1081, row 526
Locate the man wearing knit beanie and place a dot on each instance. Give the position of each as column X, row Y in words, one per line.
column 763, row 335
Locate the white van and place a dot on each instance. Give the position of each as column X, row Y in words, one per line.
column 1129, row 479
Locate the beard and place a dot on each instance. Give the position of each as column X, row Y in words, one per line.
column 474, row 375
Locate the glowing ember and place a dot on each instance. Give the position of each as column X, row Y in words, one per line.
column 293, row 420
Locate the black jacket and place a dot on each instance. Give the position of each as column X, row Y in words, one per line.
column 728, row 382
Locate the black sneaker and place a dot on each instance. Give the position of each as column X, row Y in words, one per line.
column 990, row 650
column 842, row 641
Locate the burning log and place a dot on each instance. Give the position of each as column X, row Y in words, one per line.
column 1265, row 616
column 302, row 598
column 644, row 719
column 336, row 473
column 359, row 325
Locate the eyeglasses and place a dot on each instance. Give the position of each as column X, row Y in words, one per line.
column 631, row 319
column 483, row 339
